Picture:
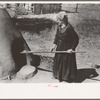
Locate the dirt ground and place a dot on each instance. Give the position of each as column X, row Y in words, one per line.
column 87, row 25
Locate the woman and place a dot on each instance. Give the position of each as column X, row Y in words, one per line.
column 66, row 39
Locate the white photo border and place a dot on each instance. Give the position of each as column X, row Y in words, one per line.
column 41, row 90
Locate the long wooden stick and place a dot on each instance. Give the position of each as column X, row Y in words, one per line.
column 26, row 52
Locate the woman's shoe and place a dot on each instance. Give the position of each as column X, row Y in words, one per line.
column 60, row 80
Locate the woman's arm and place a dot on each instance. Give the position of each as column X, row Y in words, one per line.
column 55, row 41
column 56, row 37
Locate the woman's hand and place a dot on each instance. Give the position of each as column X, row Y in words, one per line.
column 69, row 50
column 54, row 48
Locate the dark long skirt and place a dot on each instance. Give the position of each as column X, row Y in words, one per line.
column 65, row 67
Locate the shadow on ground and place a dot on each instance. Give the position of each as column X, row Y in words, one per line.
column 83, row 74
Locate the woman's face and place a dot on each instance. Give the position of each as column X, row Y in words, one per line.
column 60, row 22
